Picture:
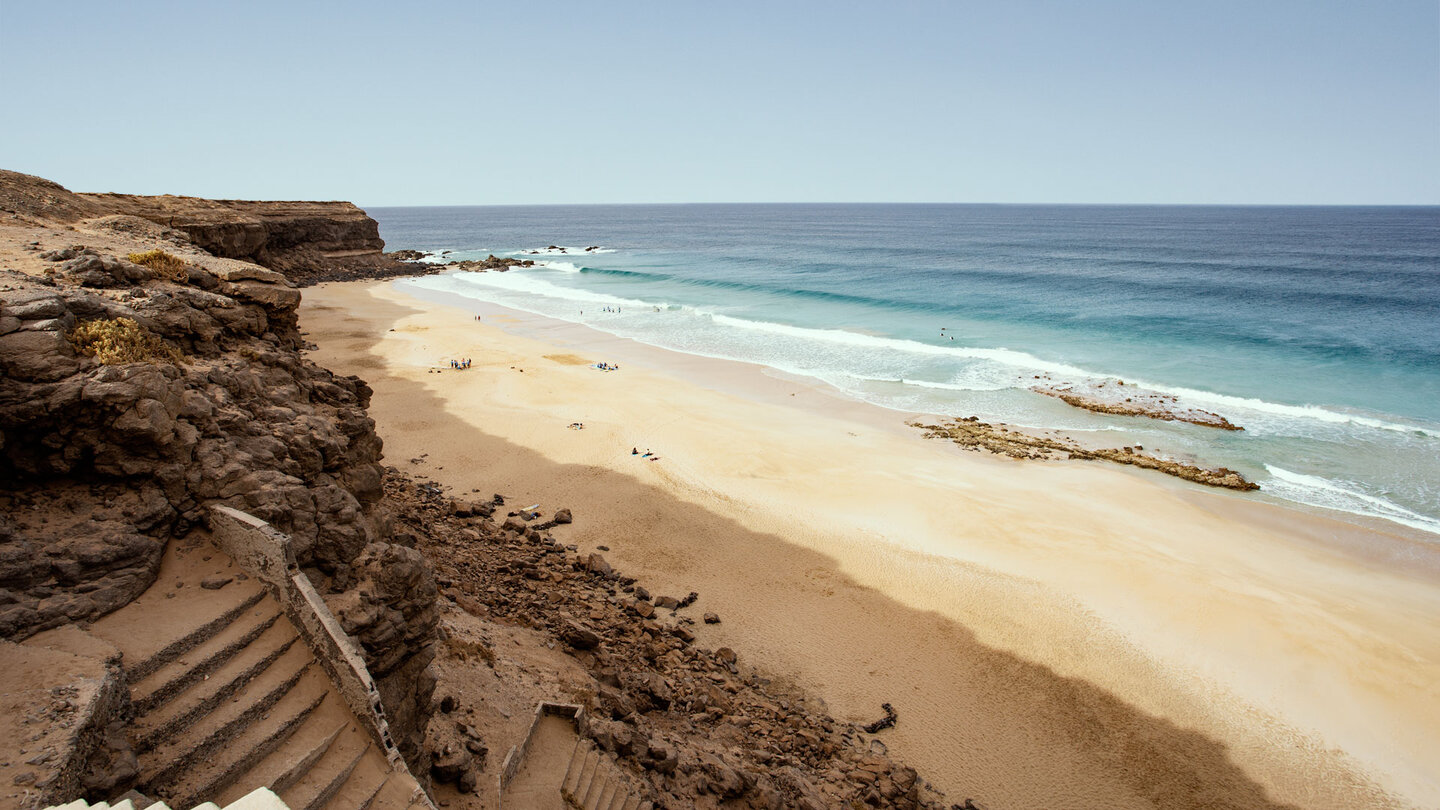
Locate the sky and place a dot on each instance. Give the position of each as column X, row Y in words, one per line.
column 478, row 103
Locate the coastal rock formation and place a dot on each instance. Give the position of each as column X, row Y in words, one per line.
column 1122, row 400
column 306, row 241
column 973, row 434
column 133, row 398
column 491, row 262
column 295, row 238
column 137, row 390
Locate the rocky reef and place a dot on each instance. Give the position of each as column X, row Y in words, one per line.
column 972, row 434
column 1122, row 400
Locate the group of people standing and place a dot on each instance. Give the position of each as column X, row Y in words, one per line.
column 460, row 363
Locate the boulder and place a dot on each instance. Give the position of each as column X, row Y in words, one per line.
column 596, row 564
column 579, row 636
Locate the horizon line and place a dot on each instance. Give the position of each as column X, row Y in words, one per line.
column 915, row 202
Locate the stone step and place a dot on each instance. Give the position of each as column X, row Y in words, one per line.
column 165, row 763
column 143, row 668
column 577, row 764
column 155, row 690
column 607, row 793
column 363, row 784
column 182, row 711
column 329, row 773
column 586, row 776
column 285, row 765
column 599, row 778
column 399, row 792
column 240, row 755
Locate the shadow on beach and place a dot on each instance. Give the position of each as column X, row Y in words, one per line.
column 975, row 720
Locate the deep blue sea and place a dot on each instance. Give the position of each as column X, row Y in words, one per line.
column 1317, row 329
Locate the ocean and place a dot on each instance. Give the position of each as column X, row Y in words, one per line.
column 1316, row 329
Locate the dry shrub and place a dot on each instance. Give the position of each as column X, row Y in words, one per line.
column 166, row 265
column 114, row 341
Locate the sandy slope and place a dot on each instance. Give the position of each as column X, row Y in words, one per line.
column 1056, row 635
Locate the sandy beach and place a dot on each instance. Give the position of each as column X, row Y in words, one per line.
column 1058, row 635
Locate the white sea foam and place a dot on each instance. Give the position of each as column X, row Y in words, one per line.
column 1226, row 404
column 1262, row 415
column 561, row 250
column 467, row 283
column 1316, row 491
column 1231, row 404
column 847, row 338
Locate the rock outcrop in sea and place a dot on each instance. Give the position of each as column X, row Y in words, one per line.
column 972, row 434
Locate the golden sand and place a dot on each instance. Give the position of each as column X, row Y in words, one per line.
column 1058, row 634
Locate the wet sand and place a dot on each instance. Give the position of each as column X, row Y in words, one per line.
column 1059, row 635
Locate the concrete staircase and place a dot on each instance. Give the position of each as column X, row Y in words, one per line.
column 257, row 799
column 229, row 698
column 592, row 782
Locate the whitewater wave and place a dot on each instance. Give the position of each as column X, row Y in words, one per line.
column 466, row 283
column 845, row 337
column 1022, row 363
column 1224, row 403
column 562, row 250
column 1021, row 366
column 1322, row 492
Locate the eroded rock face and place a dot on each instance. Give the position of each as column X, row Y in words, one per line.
column 299, row 239
column 306, row 240
column 389, row 607
column 244, row 421
column 101, row 464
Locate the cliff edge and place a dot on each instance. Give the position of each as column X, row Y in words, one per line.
column 307, row 241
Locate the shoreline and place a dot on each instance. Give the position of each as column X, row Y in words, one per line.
column 956, row 555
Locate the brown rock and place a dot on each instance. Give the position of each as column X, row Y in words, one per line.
column 597, row 564
column 215, row 583
column 579, row 636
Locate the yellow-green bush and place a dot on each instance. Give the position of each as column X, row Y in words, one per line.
column 114, row 341
column 168, row 266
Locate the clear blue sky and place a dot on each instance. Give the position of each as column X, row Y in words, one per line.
column 412, row 103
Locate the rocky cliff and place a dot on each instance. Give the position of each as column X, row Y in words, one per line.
column 133, row 396
column 306, row 241
column 143, row 379
column 299, row 239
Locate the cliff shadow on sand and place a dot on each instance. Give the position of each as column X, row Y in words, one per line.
column 976, row 720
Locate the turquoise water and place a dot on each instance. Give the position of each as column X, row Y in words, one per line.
column 1316, row 329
